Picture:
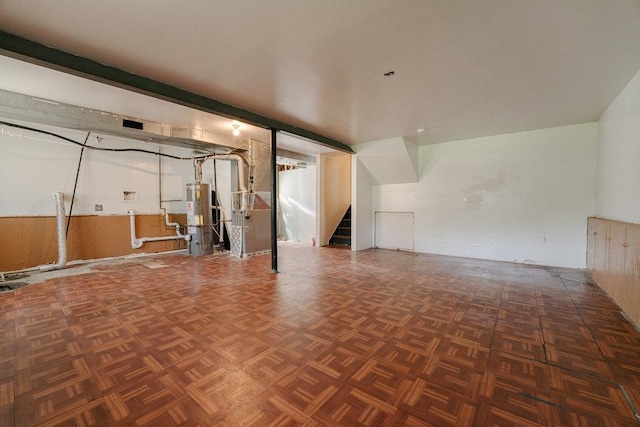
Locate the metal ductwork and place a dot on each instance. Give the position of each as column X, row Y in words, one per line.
column 28, row 108
column 61, row 235
column 199, row 216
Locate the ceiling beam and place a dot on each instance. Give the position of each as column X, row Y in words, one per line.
column 39, row 54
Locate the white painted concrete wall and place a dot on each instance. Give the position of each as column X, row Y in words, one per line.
column 619, row 157
column 297, row 197
column 361, row 206
column 34, row 166
column 390, row 161
column 522, row 197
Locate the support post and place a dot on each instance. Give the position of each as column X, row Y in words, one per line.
column 274, row 203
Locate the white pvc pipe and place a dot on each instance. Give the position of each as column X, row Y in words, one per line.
column 62, row 235
column 137, row 243
column 172, row 224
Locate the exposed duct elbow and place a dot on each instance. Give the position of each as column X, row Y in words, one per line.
column 61, row 233
column 242, row 174
column 242, row 177
column 242, row 164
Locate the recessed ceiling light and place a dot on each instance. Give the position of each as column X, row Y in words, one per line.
column 422, row 130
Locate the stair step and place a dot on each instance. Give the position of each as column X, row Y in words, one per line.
column 343, row 231
column 340, row 240
column 342, row 234
column 341, row 237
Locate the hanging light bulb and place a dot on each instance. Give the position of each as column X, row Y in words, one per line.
column 236, row 128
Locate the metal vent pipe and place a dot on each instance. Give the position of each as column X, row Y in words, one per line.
column 62, row 235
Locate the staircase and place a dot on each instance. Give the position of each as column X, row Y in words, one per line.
column 342, row 235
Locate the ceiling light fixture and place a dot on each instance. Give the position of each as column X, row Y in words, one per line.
column 236, row 128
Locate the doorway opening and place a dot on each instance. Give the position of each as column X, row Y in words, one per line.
column 297, row 200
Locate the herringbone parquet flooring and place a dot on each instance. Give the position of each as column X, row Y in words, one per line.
column 337, row 338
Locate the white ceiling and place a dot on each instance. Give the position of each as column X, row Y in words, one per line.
column 51, row 85
column 463, row 68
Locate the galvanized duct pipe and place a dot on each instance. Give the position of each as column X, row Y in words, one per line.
column 242, row 176
column 62, row 236
column 242, row 163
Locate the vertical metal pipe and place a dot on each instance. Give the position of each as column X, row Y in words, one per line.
column 62, row 236
column 274, row 204
column 160, row 177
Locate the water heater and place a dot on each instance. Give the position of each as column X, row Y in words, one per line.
column 199, row 220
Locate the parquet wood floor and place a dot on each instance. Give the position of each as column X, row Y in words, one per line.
column 337, row 338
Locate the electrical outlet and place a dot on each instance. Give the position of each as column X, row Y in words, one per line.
column 98, row 208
